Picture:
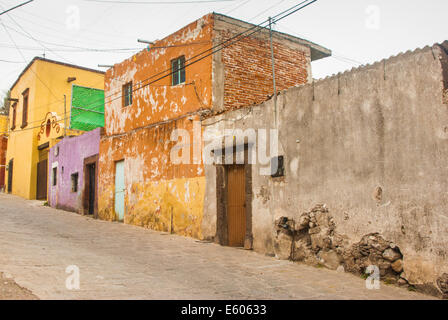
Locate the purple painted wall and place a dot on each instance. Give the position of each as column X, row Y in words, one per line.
column 70, row 160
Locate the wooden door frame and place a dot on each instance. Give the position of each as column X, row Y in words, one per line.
column 86, row 191
column 44, row 186
column 222, row 235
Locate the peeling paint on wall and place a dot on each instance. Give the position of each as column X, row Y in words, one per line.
column 159, row 194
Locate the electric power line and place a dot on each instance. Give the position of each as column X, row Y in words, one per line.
column 285, row 14
column 274, row 19
column 266, row 10
column 260, row 26
column 23, row 57
column 336, row 55
column 115, row 36
column 158, row 47
column 157, row 2
column 71, row 48
column 79, row 50
column 346, row 60
column 238, row 6
column 20, row 5
column 8, row 61
column 31, row 69
column 168, row 70
column 55, row 32
column 29, row 35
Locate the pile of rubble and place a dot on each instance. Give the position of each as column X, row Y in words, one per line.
column 374, row 250
column 442, row 283
column 314, row 240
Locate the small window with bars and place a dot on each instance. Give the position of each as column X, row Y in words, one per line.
column 127, row 94
column 178, row 71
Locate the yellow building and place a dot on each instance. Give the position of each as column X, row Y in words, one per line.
column 38, row 118
column 3, row 124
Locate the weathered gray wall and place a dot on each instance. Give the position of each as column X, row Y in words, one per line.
column 383, row 125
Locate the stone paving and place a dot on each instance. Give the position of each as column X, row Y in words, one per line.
column 119, row 261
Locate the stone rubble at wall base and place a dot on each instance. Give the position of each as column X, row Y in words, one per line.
column 313, row 240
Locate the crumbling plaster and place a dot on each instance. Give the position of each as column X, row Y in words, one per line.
column 159, row 194
column 345, row 138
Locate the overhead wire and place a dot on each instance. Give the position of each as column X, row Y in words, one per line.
column 23, row 57
column 74, row 50
column 62, row 45
column 266, row 10
column 238, row 6
column 241, row 34
column 8, row 61
column 335, row 55
column 55, row 32
column 33, row 38
column 260, row 26
column 224, row 45
column 15, row 7
column 157, row 2
column 116, row 92
column 115, row 36
column 285, row 13
column 28, row 35
column 159, row 47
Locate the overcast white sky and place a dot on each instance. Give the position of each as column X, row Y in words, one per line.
column 358, row 31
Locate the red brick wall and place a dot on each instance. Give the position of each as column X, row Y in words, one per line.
column 248, row 69
column 3, row 146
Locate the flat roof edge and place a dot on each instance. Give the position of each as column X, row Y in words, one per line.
column 317, row 51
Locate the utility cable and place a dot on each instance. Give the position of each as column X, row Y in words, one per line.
column 17, row 6
column 276, row 18
column 157, row 2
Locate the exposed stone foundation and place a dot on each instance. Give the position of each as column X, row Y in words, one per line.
column 442, row 284
column 313, row 239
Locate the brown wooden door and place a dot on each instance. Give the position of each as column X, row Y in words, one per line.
column 42, row 172
column 92, row 188
column 236, row 205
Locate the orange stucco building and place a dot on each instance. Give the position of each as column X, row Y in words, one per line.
column 175, row 84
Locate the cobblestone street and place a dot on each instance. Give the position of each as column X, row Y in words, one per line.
column 119, row 261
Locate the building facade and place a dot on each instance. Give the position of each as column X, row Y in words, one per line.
column 3, row 148
column 39, row 118
column 166, row 90
column 362, row 178
column 73, row 174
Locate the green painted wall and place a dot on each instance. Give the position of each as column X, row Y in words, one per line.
column 87, row 112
